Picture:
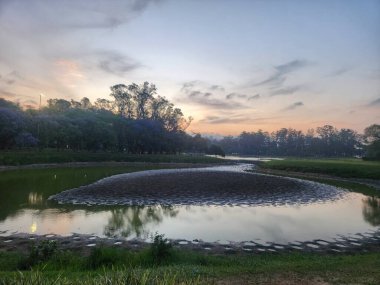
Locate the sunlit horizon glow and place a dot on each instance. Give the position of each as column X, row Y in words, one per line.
column 232, row 65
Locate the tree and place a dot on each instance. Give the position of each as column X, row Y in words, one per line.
column 123, row 100
column 104, row 104
column 58, row 105
column 371, row 210
column 158, row 108
column 215, row 150
column 142, row 95
column 329, row 138
column 9, row 105
column 372, row 139
column 349, row 142
column 12, row 122
column 85, row 103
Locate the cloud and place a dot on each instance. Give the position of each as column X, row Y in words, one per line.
column 11, row 78
column 196, row 92
column 294, row 106
column 291, row 66
column 115, row 63
column 205, row 99
column 234, row 119
column 39, row 33
column 286, row 90
column 224, row 120
column 279, row 76
column 8, row 94
column 79, row 14
column 190, row 85
column 254, row 97
column 141, row 5
column 217, row 88
column 339, row 71
column 235, row 95
column 375, row 102
column 200, row 84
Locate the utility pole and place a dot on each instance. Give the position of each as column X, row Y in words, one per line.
column 38, row 124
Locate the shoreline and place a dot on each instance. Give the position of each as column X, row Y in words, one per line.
column 366, row 242
column 107, row 163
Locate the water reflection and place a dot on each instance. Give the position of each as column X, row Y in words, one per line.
column 33, row 228
column 23, row 208
column 135, row 220
column 30, row 187
column 35, row 199
column 371, row 210
column 280, row 224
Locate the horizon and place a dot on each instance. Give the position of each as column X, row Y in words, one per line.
column 234, row 67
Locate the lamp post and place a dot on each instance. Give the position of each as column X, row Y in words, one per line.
column 38, row 124
column 40, row 100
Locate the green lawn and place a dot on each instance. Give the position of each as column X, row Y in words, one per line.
column 116, row 266
column 53, row 156
column 347, row 168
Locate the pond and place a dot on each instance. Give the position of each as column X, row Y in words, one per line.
column 185, row 204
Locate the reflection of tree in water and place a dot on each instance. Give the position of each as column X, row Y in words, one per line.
column 133, row 220
column 371, row 210
column 35, row 199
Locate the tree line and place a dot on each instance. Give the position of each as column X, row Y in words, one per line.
column 325, row 141
column 138, row 120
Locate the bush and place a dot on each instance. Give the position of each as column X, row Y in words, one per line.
column 101, row 256
column 39, row 253
column 161, row 249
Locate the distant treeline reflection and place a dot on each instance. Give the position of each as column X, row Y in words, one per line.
column 140, row 121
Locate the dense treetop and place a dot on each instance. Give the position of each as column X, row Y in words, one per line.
column 138, row 120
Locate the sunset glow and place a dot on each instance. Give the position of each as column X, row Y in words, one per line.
column 232, row 65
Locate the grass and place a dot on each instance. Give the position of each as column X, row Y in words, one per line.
column 346, row 168
column 23, row 157
column 121, row 266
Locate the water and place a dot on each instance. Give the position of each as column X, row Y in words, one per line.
column 24, row 208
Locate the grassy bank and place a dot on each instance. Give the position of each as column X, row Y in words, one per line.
column 116, row 266
column 53, row 156
column 347, row 168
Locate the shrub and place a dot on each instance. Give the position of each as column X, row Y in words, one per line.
column 101, row 256
column 160, row 250
column 39, row 253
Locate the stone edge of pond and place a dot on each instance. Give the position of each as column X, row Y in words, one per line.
column 361, row 243
column 74, row 196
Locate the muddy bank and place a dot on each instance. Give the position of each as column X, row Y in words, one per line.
column 225, row 185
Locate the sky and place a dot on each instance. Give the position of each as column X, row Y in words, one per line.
column 234, row 66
